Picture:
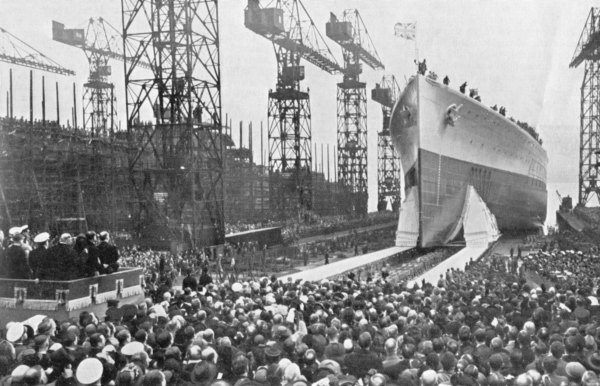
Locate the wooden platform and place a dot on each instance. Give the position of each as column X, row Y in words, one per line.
column 346, row 265
column 61, row 300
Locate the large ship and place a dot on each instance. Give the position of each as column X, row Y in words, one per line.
column 454, row 149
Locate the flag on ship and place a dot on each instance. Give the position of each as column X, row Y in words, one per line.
column 406, row 31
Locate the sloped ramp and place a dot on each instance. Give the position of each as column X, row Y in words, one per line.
column 480, row 231
column 408, row 221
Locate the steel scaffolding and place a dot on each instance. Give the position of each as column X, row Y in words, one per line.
column 388, row 163
column 351, row 34
column 588, row 51
column 177, row 170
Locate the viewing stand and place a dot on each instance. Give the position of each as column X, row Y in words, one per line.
column 61, row 300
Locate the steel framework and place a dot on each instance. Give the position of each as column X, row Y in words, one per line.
column 588, row 52
column 177, row 170
column 101, row 43
column 99, row 113
column 289, row 138
column 295, row 37
column 351, row 34
column 388, row 163
column 15, row 51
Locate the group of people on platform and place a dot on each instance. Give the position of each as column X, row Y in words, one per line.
column 68, row 258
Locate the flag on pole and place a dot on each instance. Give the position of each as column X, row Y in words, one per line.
column 406, row 31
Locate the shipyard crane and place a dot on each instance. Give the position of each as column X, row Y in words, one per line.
column 294, row 35
column 387, row 93
column 15, row 51
column 588, row 52
column 100, row 42
column 357, row 48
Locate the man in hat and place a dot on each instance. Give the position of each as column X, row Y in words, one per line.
column 190, row 281
column 61, row 263
column 1, row 248
column 17, row 265
column 361, row 361
column 89, row 371
column 93, row 252
column 109, row 254
column 38, row 255
column 205, row 278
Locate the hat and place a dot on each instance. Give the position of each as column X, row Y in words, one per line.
column 429, row 377
column 132, row 348
column 19, row 372
column 331, row 365
column 204, row 372
column 574, row 370
column 15, row 332
column 25, row 353
column 236, row 287
column 272, row 352
column 61, row 357
column 41, row 237
column 65, row 238
column 16, row 230
column 89, row 371
column 260, row 376
column 594, row 361
column 346, row 380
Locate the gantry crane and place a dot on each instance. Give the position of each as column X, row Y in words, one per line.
column 351, row 34
column 15, row 51
column 588, row 52
column 100, row 42
column 294, row 35
column 386, row 93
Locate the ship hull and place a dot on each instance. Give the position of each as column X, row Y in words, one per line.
column 480, row 148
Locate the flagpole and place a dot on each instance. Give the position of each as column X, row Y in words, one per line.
column 416, row 45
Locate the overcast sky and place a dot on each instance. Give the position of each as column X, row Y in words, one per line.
column 516, row 53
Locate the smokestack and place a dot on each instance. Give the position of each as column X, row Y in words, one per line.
column 43, row 101
column 31, row 96
column 57, row 105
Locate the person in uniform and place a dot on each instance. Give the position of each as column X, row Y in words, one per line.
column 87, row 266
column 17, row 266
column 190, row 281
column 109, row 254
column 62, row 260
column 2, row 264
column 93, row 251
column 39, row 254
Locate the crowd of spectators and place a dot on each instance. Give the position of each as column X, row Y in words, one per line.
column 483, row 326
column 566, row 267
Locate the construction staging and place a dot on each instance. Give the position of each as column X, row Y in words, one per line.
column 175, row 165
